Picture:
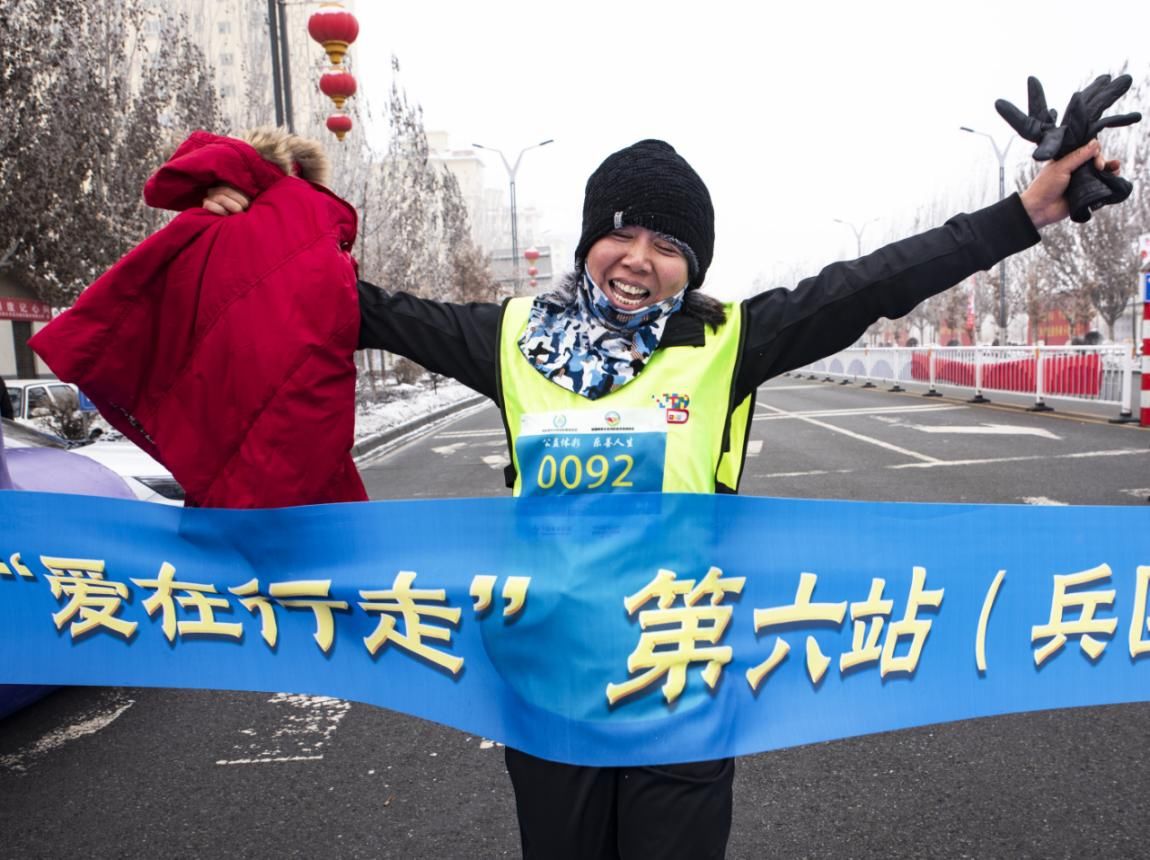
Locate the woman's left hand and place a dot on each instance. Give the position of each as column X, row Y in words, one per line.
column 225, row 200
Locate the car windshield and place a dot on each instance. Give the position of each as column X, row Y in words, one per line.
column 37, row 399
column 22, row 436
column 65, row 396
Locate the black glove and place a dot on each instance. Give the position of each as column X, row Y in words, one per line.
column 1090, row 188
column 1037, row 126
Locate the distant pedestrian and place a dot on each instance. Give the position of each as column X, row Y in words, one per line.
column 6, row 410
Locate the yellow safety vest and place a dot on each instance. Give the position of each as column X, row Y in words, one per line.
column 692, row 385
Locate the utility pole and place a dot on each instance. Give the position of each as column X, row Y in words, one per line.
column 512, row 169
column 858, row 231
column 1001, row 155
column 281, row 62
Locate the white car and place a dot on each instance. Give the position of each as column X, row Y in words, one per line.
column 30, row 395
column 149, row 480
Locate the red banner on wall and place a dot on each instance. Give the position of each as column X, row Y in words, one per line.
column 1054, row 330
column 24, row 310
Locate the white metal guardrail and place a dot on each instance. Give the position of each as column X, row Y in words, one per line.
column 1097, row 374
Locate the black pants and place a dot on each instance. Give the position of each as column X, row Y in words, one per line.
column 608, row 813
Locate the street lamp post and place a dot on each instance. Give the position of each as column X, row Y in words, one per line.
column 511, row 171
column 858, row 231
column 1000, row 152
column 281, row 64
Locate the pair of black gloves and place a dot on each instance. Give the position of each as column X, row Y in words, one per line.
column 1090, row 188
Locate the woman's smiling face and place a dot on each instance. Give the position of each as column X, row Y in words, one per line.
column 636, row 268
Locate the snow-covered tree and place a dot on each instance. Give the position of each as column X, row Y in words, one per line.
column 87, row 117
column 423, row 241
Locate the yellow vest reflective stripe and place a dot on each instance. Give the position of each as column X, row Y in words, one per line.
column 708, row 446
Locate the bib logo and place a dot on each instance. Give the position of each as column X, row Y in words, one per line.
column 674, row 406
column 559, row 421
column 612, row 419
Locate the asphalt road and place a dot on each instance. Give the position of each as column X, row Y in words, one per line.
column 135, row 773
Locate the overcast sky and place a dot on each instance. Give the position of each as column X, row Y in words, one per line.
column 792, row 117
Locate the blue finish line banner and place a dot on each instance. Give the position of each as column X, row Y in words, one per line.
column 592, row 629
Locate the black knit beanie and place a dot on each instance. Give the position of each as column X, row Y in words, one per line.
column 650, row 185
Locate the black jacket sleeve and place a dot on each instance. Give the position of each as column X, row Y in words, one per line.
column 459, row 341
column 786, row 329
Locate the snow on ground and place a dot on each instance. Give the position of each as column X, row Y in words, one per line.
column 399, row 403
column 394, row 404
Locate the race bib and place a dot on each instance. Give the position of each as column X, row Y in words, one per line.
column 592, row 451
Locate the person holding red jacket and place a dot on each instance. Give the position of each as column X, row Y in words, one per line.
column 225, row 347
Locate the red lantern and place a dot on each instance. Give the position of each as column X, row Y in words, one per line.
column 533, row 283
column 532, row 271
column 339, row 124
column 531, row 255
column 338, row 85
column 335, row 28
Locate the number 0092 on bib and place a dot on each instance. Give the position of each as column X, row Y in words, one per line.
column 592, row 451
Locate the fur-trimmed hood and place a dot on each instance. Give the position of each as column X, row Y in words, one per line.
column 251, row 163
column 294, row 155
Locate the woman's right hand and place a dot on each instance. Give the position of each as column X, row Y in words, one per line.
column 225, row 200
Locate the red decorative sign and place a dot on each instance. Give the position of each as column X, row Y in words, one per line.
column 25, row 310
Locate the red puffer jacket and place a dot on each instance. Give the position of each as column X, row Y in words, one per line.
column 223, row 346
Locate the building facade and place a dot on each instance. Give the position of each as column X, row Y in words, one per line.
column 234, row 35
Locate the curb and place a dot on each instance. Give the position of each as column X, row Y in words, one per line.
column 1060, row 411
column 370, row 444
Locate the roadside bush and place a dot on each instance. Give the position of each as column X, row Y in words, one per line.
column 66, row 421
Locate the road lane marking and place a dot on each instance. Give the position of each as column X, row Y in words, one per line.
column 810, row 474
column 417, row 434
column 467, row 434
column 1081, row 455
column 298, row 730
column 980, row 429
column 87, row 725
column 990, row 461
column 1043, row 501
column 497, row 461
column 862, row 410
column 448, row 450
column 1140, row 493
column 754, row 447
column 273, row 760
column 858, row 436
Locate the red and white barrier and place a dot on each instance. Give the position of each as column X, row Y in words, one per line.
column 1144, row 418
column 1144, row 275
column 1103, row 374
